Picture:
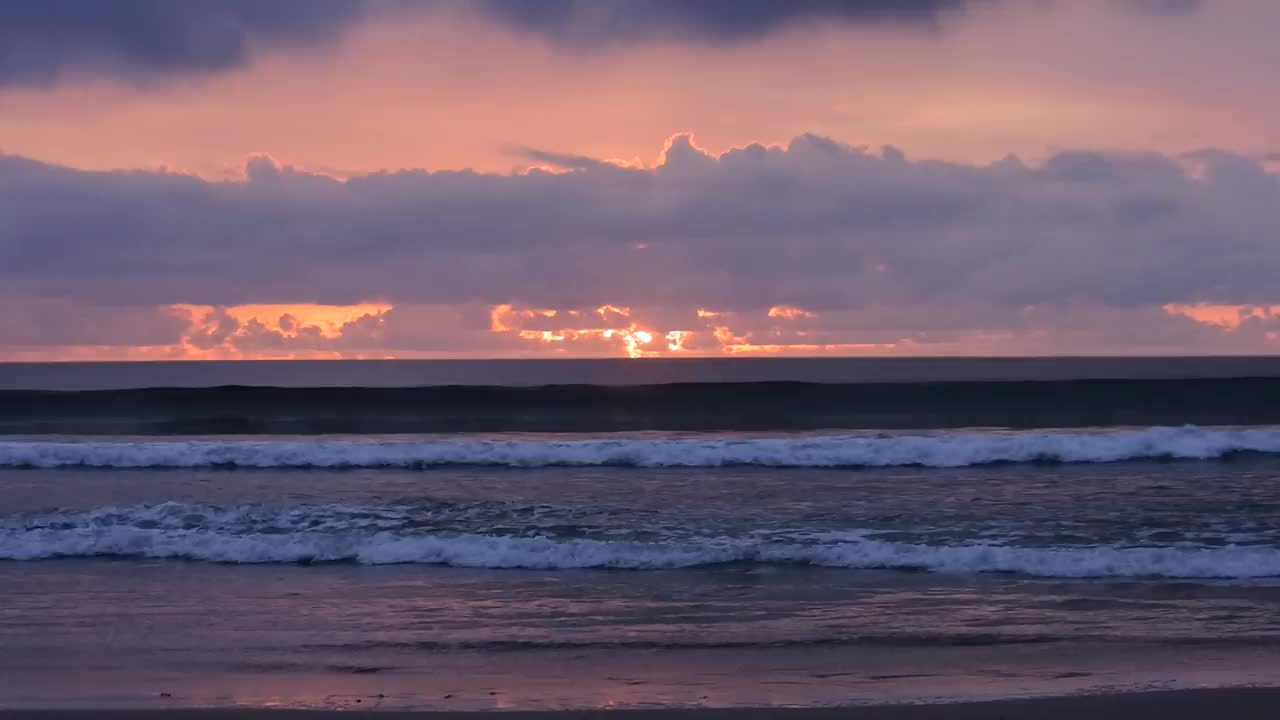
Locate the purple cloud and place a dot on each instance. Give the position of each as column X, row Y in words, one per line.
column 835, row 230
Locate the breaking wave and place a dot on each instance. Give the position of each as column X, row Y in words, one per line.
column 954, row 449
column 323, row 534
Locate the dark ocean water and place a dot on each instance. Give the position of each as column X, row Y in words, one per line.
column 809, row 534
column 649, row 371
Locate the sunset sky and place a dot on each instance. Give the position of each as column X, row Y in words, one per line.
column 612, row 178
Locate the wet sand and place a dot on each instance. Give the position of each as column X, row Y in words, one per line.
column 1235, row 703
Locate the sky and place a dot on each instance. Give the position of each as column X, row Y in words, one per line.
column 235, row 179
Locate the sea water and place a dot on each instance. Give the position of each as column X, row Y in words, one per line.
column 651, row 566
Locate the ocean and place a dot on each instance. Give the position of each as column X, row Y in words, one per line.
column 556, row 534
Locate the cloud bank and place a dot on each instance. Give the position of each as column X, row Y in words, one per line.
column 46, row 42
column 816, row 244
column 816, row 224
column 42, row 41
column 597, row 22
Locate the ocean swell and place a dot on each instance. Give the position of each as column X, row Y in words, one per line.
column 953, row 449
column 724, row 405
column 319, row 535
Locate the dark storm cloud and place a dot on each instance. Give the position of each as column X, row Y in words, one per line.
column 590, row 22
column 41, row 40
column 816, row 224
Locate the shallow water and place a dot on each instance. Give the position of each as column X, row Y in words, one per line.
column 163, row 633
column 554, row 586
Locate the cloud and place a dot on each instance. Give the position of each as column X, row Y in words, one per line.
column 1165, row 7
column 606, row 331
column 57, row 322
column 560, row 160
column 42, row 41
column 596, row 22
column 855, row 245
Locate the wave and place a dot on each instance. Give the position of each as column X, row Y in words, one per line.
column 727, row 406
column 696, row 642
column 957, row 449
column 330, row 535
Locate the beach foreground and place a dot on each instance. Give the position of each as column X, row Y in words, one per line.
column 1236, row 703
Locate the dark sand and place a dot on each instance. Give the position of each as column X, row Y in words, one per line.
column 1236, row 704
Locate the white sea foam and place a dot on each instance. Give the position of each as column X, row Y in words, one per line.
column 329, row 534
column 952, row 449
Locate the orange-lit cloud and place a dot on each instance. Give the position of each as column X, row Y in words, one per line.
column 272, row 331
column 501, row 315
column 789, row 313
column 705, row 333
column 1225, row 316
column 328, row 320
column 380, row 331
column 612, row 326
column 676, row 340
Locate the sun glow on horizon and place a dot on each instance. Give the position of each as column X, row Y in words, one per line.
column 615, row 326
column 708, row 332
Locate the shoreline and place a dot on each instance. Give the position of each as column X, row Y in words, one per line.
column 1242, row 703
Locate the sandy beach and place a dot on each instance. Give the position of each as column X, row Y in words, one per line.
column 1235, row 703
